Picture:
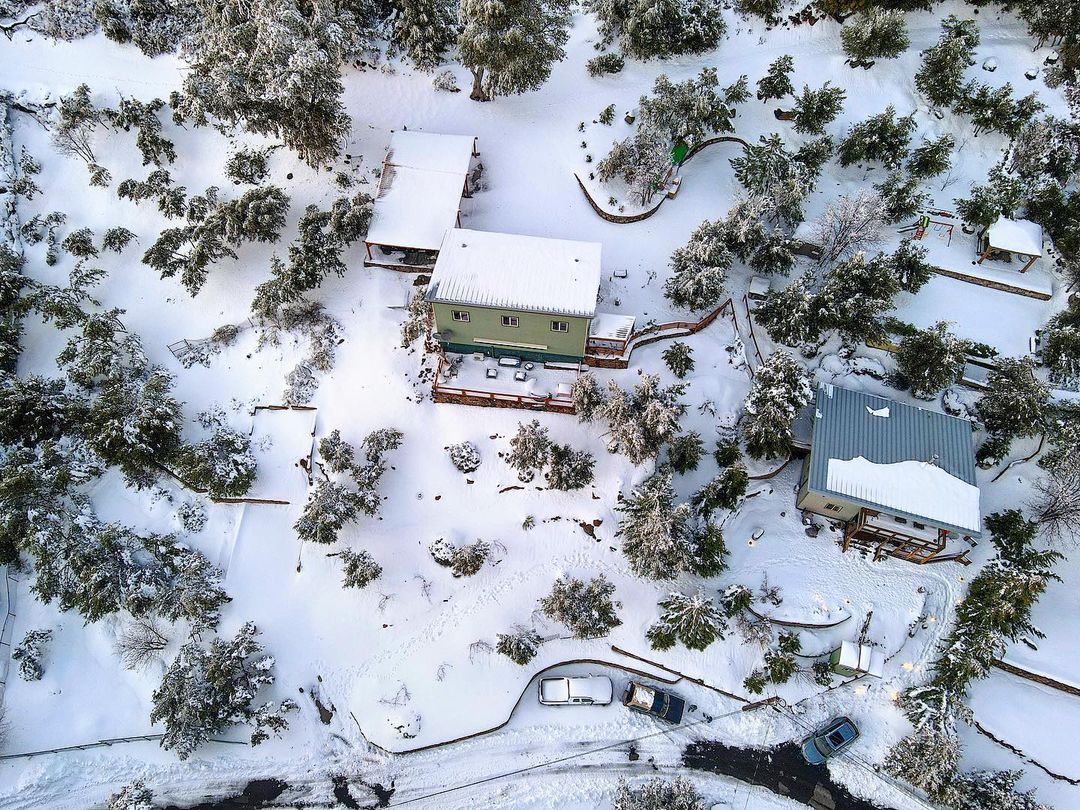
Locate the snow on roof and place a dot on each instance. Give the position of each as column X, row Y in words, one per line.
column 430, row 151
column 423, row 178
column 862, row 658
column 609, row 326
column 913, row 487
column 502, row 270
column 1016, row 236
column 850, row 425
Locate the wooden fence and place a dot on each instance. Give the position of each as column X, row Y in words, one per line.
column 655, row 333
column 104, row 744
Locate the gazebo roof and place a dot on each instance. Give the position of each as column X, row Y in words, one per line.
column 1016, row 236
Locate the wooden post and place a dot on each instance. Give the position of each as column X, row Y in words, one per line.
column 985, row 254
column 367, row 247
column 1030, row 262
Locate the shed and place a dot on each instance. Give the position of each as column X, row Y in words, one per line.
column 851, row 659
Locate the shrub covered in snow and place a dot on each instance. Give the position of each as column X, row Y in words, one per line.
column 223, row 465
column 529, row 449
column 685, row 452
column 248, row 165
column 723, row 491
column 679, row 358
column 29, row 653
column 691, row 620
column 604, row 63
column 136, row 796
column 569, row 468
column 586, row 608
column 464, row 456
column 337, row 455
column 776, row 83
column 658, row 794
column 359, row 567
column 520, row 646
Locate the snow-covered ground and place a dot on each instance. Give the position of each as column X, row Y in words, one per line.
column 415, row 645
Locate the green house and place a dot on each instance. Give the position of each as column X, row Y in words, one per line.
column 514, row 296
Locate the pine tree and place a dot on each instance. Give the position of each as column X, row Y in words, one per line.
column 520, row 646
column 699, row 268
column 510, row 47
column 136, row 796
column 467, row 560
column 1000, row 197
column 587, row 609
column 774, row 256
column 329, row 507
column 570, row 468
column 776, row 181
column 29, row 653
column 643, row 420
column 359, row 567
column 855, row 296
column 207, row 691
column 722, row 492
column 691, row 620
column 1014, row 404
column 931, row 360
column 248, row 165
column 658, row 794
column 642, row 161
column 529, row 449
column 875, row 34
column 273, row 67
column 588, row 398
column 780, row 390
column 901, row 197
column 464, row 456
column 789, row 314
column 679, row 358
column 337, row 454
column 880, row 138
column 425, row 30
column 648, row 30
column 993, row 790
column 932, row 157
column 116, row 239
column 685, row 452
column 941, row 74
column 77, row 119
column 688, row 111
column 380, row 442
column 776, row 83
column 1059, row 346
column 816, row 109
column 223, row 464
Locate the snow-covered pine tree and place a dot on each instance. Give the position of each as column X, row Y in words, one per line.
column 223, row 465
column 143, row 116
column 642, row 161
column 993, row 790
column 880, row 138
column 529, row 449
column 901, row 197
column 776, row 83
column 1014, row 403
column 337, row 455
column 643, row 420
column 689, row 619
column 723, row 491
column 685, row 452
column 855, row 296
column 465, row 456
column 116, row 239
column 272, row 66
column 569, row 468
column 648, row 30
column 208, row 691
column 136, row 796
column 248, row 165
column 941, row 73
column 777, row 183
column 789, row 314
column 658, row 794
column 816, row 109
column 586, row 608
column 774, row 256
column 699, row 268
column 359, row 568
column 780, row 390
column 519, row 646
column 853, row 223
column 931, row 158
column 425, row 30
column 688, row 111
column 876, row 33
column 995, row 109
column 679, row 358
column 1059, row 346
column 29, row 653
column 931, row 360
column 73, row 130
column 380, row 442
column 329, row 507
column 510, row 47
column 467, row 560
column 80, row 244
column 588, row 398
column 1046, row 149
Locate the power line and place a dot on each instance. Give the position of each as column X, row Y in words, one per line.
column 567, row 758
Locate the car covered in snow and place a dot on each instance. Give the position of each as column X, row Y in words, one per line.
column 595, row 690
column 645, row 699
column 829, row 741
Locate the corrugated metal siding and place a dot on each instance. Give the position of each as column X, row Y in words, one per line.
column 844, row 429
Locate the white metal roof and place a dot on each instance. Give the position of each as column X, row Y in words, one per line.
column 862, row 658
column 1016, row 236
column 913, row 487
column 609, row 326
column 423, row 178
column 507, row 271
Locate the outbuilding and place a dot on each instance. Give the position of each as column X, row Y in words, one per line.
column 1009, row 239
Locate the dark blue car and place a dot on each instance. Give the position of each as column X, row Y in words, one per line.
column 831, row 740
column 647, row 700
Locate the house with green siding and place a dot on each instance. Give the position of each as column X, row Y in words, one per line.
column 514, row 296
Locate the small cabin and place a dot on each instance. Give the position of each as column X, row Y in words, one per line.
column 901, row 479
column 850, row 660
column 1009, row 240
column 525, row 297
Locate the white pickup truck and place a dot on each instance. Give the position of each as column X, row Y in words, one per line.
column 590, row 690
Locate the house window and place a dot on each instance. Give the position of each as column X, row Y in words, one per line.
column 510, row 320
column 560, row 326
column 918, row 525
column 899, row 519
column 832, row 507
column 460, row 316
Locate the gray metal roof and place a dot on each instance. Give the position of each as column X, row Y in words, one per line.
column 846, row 427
